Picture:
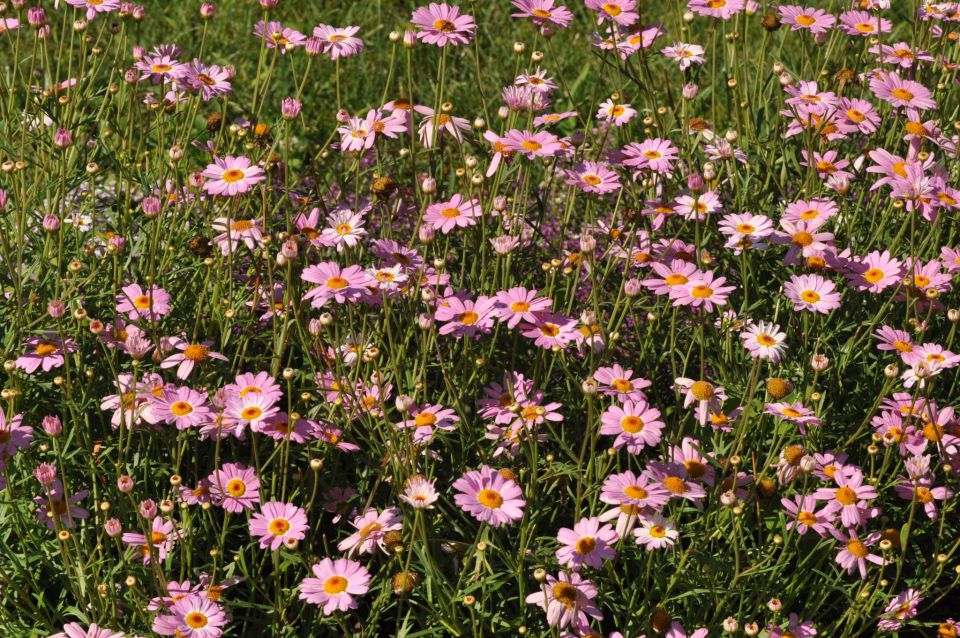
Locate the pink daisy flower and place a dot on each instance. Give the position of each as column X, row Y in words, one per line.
column 76, row 630
column 708, row 397
column 465, row 317
column 229, row 176
column 442, row 24
column 765, row 341
column 532, row 144
column 591, row 177
column 338, row 42
column 890, row 87
column 863, row 24
column 813, row 293
column 722, row 9
column 617, row 11
column 458, row 212
column 849, row 497
column 427, row 419
column 183, row 407
column 656, row 154
column 745, row 230
column 551, row 330
column 343, row 285
column 235, row 487
column 684, row 54
column 163, row 537
column 702, row 291
column 152, row 303
column 489, row 497
column 279, row 37
column 803, row 515
column 588, row 543
column 655, row 532
column 13, row 435
column 519, row 304
column 335, row 584
column 251, row 409
column 875, row 272
column 277, row 523
column 619, row 383
column 46, row 353
column 195, row 615
column 419, row 492
column 236, row 232
column 568, row 600
column 812, row 19
column 615, row 113
column 636, row 425
column 677, row 273
column 189, row 355
column 543, row 11
column 854, row 552
column 372, row 527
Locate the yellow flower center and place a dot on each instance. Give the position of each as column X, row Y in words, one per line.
column 278, row 526
column 845, row 496
column 425, row 419
column 180, row 408
column 586, row 545
column 45, row 349
column 236, row 488
column 444, row 26
column 335, row 585
column 631, row 424
column 195, row 352
column 232, row 175
column 195, row 620
column 490, row 498
column 902, row 94
column 337, row 282
column 702, row 391
column 565, row 593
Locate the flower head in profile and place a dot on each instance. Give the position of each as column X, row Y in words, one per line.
column 543, row 12
column 567, row 598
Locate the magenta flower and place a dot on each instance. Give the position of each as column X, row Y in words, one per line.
column 338, row 42
column 621, row 12
column 519, row 304
column 279, row 37
column 764, row 341
column 551, row 330
column 76, row 630
column 13, row 435
column 849, row 497
column 627, row 490
column 588, row 543
column 46, row 353
column 335, row 584
column 152, row 303
column 854, row 553
column 229, row 176
column 875, row 272
column 162, row 539
column 863, row 24
column 903, row 607
column 813, row 293
column 183, row 407
column 442, row 24
column 702, row 291
column 372, row 527
column 489, row 497
column 194, row 615
column 591, row 177
column 802, row 511
column 456, row 213
column 343, row 285
column 94, row 7
column 55, row 506
column 426, row 419
column 277, row 523
column 234, row 232
column 722, row 9
column 656, row 154
column 465, row 317
column 810, row 18
column 532, row 144
column 890, row 87
column 189, row 355
column 543, row 11
column 619, row 383
column 235, row 487
column 636, row 425
column 684, row 54
column 568, row 600
column 655, row 532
